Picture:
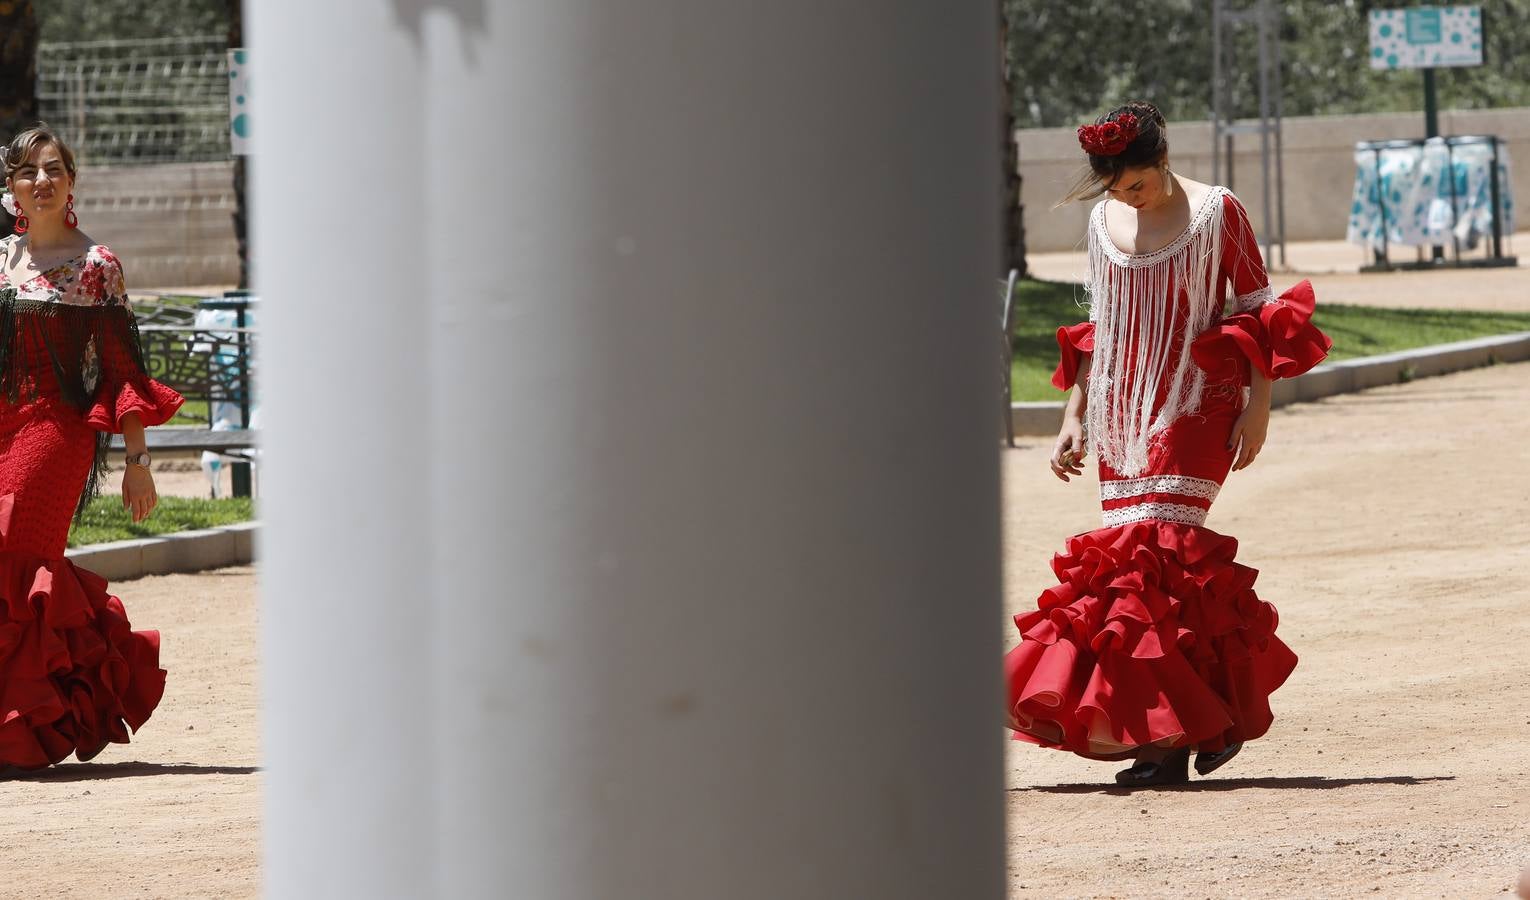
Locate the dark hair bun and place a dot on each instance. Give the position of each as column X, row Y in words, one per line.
column 1148, row 148
column 1143, row 110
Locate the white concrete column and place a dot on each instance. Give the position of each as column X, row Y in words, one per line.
column 346, row 591
column 702, row 314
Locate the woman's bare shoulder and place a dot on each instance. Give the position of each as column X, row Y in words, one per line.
column 1195, row 191
column 97, row 252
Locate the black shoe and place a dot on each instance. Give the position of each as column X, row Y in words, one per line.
column 1174, row 769
column 1206, row 763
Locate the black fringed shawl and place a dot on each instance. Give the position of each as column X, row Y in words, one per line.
column 88, row 349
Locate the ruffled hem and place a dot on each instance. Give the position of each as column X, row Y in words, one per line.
column 1278, row 337
column 155, row 404
column 1153, row 636
column 1072, row 342
column 74, row 676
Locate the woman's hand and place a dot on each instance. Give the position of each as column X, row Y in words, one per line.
column 1249, row 432
column 1069, row 451
column 138, row 492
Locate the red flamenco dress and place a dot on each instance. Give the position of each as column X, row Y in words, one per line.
column 1154, row 635
column 74, row 676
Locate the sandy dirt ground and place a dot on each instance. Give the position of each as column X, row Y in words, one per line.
column 176, row 813
column 1498, row 290
column 1390, row 530
column 1333, row 267
column 175, row 475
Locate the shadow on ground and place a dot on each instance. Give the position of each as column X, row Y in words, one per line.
column 1304, row 783
column 95, row 772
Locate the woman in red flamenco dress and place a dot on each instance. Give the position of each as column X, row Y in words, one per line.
column 1154, row 643
column 74, row 676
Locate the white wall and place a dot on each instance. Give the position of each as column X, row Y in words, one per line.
column 1319, row 168
column 171, row 224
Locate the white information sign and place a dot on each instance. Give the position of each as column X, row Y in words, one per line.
column 238, row 103
column 1425, row 37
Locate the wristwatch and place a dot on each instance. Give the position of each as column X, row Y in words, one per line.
column 138, row 459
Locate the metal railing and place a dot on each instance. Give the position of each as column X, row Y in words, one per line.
column 214, row 364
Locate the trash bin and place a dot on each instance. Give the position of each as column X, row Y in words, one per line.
column 231, row 369
column 1436, row 192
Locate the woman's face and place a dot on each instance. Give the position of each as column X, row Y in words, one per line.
column 41, row 184
column 1140, row 187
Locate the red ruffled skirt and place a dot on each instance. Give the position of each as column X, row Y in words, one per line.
column 74, row 676
column 1153, row 636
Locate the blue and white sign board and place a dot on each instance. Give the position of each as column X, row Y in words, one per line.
column 238, row 103
column 1425, row 37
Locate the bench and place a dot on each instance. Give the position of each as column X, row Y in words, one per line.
column 233, row 442
column 210, row 365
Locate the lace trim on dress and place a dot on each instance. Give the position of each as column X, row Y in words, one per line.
column 1165, row 512
column 1211, row 204
column 1184, row 485
column 1254, row 299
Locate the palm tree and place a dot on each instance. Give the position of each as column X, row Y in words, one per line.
column 18, row 73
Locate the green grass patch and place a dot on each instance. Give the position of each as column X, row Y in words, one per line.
column 1042, row 306
column 1369, row 331
column 106, row 519
column 192, row 412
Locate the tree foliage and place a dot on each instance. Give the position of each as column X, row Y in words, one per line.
column 1072, row 61
column 98, row 20
column 18, row 75
column 18, row 67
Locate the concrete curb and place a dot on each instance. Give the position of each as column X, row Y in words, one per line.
column 184, row 551
column 1041, row 419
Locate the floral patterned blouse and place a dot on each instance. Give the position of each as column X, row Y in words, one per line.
column 92, row 278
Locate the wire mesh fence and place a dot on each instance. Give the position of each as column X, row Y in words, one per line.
column 158, row 100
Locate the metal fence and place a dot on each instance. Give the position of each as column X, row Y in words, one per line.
column 137, row 101
column 214, row 364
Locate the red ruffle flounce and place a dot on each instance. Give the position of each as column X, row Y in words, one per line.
column 1154, row 635
column 1279, row 338
column 155, row 404
column 74, row 676
column 1072, row 342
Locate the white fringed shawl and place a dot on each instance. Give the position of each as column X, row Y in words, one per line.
column 1135, row 329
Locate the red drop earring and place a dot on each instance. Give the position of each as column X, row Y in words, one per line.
column 70, row 219
column 21, row 223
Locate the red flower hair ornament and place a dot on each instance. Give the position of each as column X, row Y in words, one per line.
column 1108, row 138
